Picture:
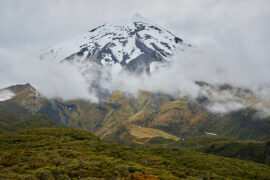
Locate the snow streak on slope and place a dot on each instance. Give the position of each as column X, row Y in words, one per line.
column 6, row 95
column 131, row 42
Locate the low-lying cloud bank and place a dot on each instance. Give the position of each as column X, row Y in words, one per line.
column 178, row 77
column 215, row 65
column 50, row 78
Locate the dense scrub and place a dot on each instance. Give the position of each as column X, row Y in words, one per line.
column 12, row 121
column 62, row 153
column 225, row 146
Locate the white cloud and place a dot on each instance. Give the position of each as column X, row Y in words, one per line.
column 5, row 95
column 50, row 78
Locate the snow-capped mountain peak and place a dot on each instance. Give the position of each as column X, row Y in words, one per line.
column 134, row 43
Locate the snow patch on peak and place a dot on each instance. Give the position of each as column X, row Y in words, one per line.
column 121, row 24
column 6, row 95
column 134, row 43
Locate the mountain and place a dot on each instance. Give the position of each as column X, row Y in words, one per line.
column 136, row 44
column 139, row 120
column 20, row 109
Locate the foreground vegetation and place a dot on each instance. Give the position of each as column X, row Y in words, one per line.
column 63, row 153
column 227, row 146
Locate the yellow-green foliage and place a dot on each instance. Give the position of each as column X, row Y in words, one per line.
column 175, row 112
column 145, row 100
column 26, row 96
column 162, row 98
column 116, row 96
column 180, row 117
column 12, row 121
column 103, row 118
column 148, row 133
column 62, row 153
column 86, row 116
column 142, row 118
column 227, row 147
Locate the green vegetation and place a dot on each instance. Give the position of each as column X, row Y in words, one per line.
column 225, row 146
column 13, row 117
column 63, row 153
column 149, row 133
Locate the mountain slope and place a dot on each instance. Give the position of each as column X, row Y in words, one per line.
column 133, row 43
column 225, row 146
column 61, row 153
column 20, row 111
column 119, row 116
column 26, row 108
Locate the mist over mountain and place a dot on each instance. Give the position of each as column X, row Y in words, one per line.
column 165, row 61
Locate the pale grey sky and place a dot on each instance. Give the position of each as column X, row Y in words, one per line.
column 43, row 23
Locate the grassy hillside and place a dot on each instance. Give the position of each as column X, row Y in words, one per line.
column 218, row 145
column 62, row 153
column 225, row 146
column 14, row 117
column 144, row 135
column 16, row 122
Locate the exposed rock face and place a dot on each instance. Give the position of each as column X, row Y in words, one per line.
column 26, row 96
column 133, row 43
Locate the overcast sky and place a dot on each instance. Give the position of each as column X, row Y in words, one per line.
column 46, row 22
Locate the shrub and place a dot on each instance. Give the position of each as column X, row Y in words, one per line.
column 44, row 175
